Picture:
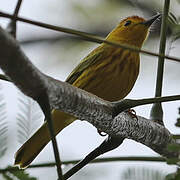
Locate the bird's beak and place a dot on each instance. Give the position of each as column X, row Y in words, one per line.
column 151, row 20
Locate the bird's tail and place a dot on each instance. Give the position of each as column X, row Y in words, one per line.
column 33, row 146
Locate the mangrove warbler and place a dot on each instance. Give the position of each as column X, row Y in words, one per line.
column 108, row 72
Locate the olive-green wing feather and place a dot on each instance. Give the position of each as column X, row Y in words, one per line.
column 89, row 60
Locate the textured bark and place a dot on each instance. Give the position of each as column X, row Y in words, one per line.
column 77, row 102
column 145, row 131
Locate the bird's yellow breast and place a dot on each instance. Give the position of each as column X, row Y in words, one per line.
column 114, row 78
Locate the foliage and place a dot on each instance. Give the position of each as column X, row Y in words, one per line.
column 142, row 174
column 175, row 161
column 3, row 125
column 28, row 117
column 17, row 175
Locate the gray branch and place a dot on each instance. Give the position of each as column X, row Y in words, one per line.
column 81, row 104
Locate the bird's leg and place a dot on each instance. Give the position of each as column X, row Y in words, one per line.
column 132, row 113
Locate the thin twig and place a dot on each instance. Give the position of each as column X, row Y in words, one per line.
column 87, row 36
column 130, row 103
column 162, row 49
column 16, row 11
column 109, row 144
column 99, row 160
column 157, row 111
column 12, row 24
column 45, row 106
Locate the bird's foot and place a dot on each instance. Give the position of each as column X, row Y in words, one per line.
column 132, row 113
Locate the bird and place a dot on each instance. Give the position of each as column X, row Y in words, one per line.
column 109, row 72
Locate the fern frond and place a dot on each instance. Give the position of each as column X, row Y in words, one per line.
column 7, row 177
column 3, row 125
column 134, row 173
column 17, row 175
column 3, row 138
column 29, row 117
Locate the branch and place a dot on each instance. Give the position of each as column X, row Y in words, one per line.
column 86, row 36
column 79, row 103
column 145, row 131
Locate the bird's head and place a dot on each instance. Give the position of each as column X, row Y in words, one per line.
column 132, row 30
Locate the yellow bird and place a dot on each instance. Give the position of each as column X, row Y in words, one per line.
column 108, row 72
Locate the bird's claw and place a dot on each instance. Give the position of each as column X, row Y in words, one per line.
column 132, row 113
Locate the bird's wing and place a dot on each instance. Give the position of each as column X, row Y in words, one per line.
column 89, row 60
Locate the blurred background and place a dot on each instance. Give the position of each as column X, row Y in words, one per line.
column 56, row 54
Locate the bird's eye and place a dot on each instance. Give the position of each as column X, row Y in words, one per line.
column 127, row 23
